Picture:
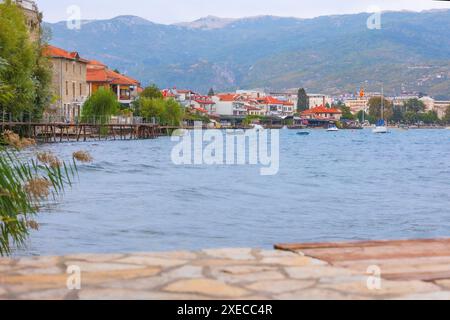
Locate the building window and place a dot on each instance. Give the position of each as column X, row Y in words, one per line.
column 67, row 88
column 81, row 89
column 73, row 89
column 67, row 67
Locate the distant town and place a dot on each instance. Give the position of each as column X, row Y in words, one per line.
column 76, row 78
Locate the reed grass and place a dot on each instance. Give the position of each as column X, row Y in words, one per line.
column 24, row 185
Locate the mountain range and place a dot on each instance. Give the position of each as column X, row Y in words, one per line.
column 328, row 54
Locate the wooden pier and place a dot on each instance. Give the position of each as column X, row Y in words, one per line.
column 66, row 132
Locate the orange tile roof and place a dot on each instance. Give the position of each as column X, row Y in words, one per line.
column 320, row 110
column 55, row 52
column 201, row 110
column 96, row 75
column 272, row 100
column 228, row 97
column 98, row 72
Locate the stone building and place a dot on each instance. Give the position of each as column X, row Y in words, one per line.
column 69, row 83
column 32, row 15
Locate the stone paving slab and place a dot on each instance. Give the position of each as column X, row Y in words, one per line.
column 241, row 273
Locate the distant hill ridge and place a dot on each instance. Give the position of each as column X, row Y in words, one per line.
column 330, row 54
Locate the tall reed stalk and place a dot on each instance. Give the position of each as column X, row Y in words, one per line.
column 24, row 185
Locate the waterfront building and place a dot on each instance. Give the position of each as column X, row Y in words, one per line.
column 253, row 94
column 204, row 104
column 317, row 100
column 322, row 113
column 225, row 103
column 439, row 106
column 357, row 104
column 100, row 76
column 68, row 82
column 399, row 101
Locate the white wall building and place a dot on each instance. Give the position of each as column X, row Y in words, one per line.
column 317, row 100
column 439, row 106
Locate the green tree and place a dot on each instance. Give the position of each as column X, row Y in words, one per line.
column 166, row 112
column 173, row 113
column 375, row 108
column 211, row 92
column 411, row 117
column 429, row 117
column 397, row 115
column 303, row 100
column 18, row 51
column 5, row 90
column 151, row 92
column 26, row 74
column 447, row 115
column 100, row 106
column 346, row 112
column 414, row 105
column 151, row 108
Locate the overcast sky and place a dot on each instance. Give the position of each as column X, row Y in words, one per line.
column 171, row 11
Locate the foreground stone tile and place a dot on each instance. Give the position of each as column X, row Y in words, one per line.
column 126, row 294
column 95, row 257
column 243, row 269
column 6, row 262
column 443, row 283
column 179, row 255
column 223, row 262
column 295, row 260
column 38, row 262
column 442, row 295
column 233, row 254
column 103, row 266
column 249, row 277
column 316, row 272
column 118, row 275
column 46, row 270
column 317, row 294
column 280, row 286
column 20, row 284
column 185, row 272
column 389, row 289
column 57, row 294
column 206, row 287
column 138, row 284
column 152, row 261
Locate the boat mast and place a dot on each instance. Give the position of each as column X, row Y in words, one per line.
column 382, row 102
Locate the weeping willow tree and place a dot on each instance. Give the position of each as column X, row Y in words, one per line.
column 99, row 107
column 25, row 184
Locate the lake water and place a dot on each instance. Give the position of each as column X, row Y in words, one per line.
column 349, row 185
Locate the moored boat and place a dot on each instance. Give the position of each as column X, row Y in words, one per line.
column 332, row 128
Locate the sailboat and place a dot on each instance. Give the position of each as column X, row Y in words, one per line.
column 381, row 124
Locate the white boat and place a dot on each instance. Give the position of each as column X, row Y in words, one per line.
column 380, row 129
column 332, row 128
column 258, row 127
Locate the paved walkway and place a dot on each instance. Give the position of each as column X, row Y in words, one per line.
column 409, row 270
